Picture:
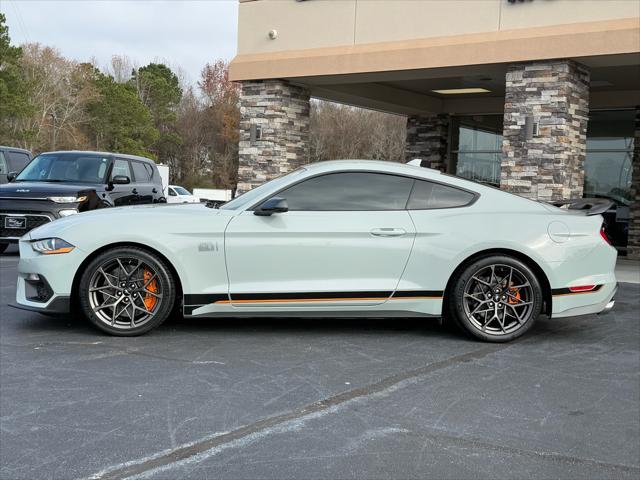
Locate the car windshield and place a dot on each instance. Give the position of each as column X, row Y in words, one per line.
column 250, row 197
column 65, row 167
column 181, row 191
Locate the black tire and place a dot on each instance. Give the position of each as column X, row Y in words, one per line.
column 89, row 296
column 523, row 306
column 3, row 247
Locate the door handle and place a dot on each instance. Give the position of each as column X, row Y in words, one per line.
column 134, row 191
column 388, row 232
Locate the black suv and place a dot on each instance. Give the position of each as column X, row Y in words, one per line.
column 59, row 184
column 12, row 160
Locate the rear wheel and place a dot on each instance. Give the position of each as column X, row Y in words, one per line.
column 496, row 298
column 127, row 291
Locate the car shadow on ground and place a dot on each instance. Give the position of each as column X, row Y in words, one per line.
column 288, row 326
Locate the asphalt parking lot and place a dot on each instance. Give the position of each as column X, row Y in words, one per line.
column 285, row 398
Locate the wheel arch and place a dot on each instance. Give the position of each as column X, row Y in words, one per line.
column 532, row 264
column 78, row 274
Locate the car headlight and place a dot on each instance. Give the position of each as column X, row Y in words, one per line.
column 51, row 246
column 68, row 211
column 74, row 199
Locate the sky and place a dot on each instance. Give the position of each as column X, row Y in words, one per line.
column 184, row 33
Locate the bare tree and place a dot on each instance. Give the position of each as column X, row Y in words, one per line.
column 341, row 132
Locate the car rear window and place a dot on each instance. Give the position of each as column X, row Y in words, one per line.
column 429, row 195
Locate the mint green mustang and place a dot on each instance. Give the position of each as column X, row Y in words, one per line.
column 344, row 238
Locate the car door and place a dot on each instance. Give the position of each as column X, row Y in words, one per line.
column 123, row 194
column 143, row 185
column 346, row 238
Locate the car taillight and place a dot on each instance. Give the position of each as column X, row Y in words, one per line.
column 582, row 288
column 604, row 236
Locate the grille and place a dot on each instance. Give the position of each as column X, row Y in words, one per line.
column 33, row 220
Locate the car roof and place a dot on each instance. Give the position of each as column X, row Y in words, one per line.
column 384, row 167
column 120, row 155
column 15, row 149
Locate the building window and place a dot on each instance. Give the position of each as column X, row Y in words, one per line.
column 477, row 148
column 607, row 167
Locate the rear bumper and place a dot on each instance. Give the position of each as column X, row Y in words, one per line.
column 601, row 304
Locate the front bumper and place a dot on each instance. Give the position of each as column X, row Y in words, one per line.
column 57, row 306
column 58, row 272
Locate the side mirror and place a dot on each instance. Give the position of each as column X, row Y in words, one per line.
column 11, row 176
column 271, row 206
column 120, row 180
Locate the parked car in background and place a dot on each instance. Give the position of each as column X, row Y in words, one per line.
column 178, row 194
column 60, row 184
column 12, row 160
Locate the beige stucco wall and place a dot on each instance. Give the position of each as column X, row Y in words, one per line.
column 310, row 24
column 331, row 23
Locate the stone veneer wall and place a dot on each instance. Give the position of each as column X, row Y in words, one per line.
column 634, row 213
column 549, row 166
column 282, row 111
column 427, row 139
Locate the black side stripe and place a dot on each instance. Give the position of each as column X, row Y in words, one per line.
column 418, row 293
column 204, row 299
column 309, row 295
column 566, row 291
column 200, row 299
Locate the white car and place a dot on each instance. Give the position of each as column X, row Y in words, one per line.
column 341, row 238
column 178, row 194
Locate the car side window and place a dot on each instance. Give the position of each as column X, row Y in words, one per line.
column 149, row 169
column 429, row 195
column 121, row 167
column 172, row 192
column 18, row 160
column 349, row 191
column 140, row 172
column 3, row 165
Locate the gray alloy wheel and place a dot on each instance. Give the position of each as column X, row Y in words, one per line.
column 496, row 299
column 127, row 291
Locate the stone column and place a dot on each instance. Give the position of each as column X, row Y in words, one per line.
column 274, row 131
column 633, row 250
column 549, row 165
column 427, row 138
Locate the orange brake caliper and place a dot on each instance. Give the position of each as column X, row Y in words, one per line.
column 150, row 300
column 516, row 293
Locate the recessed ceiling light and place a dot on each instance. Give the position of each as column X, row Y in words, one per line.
column 457, row 91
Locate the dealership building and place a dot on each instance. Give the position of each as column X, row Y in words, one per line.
column 538, row 97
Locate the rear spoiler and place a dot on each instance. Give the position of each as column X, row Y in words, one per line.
column 589, row 206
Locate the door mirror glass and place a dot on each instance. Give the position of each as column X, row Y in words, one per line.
column 271, row 206
column 11, row 176
column 120, row 180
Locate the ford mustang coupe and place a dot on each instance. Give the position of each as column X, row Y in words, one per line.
column 341, row 238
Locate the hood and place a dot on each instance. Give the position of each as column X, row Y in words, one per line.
column 123, row 223
column 45, row 189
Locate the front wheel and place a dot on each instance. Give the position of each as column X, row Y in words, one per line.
column 127, row 291
column 496, row 298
